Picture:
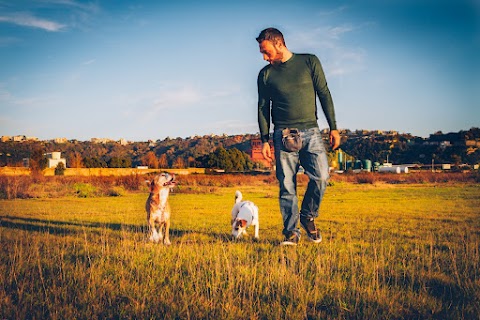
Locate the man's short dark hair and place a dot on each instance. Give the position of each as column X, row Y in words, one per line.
column 271, row 34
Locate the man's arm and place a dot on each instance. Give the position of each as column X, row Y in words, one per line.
column 264, row 115
column 321, row 88
column 263, row 107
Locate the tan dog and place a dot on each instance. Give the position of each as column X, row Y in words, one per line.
column 158, row 208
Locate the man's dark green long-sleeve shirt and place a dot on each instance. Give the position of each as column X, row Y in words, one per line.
column 289, row 91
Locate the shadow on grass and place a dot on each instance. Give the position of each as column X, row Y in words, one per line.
column 63, row 227
column 55, row 227
column 177, row 236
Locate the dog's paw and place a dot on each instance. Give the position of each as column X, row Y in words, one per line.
column 167, row 242
column 155, row 238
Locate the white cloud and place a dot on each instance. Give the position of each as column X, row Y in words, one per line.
column 86, row 63
column 231, row 127
column 76, row 12
column 4, row 94
column 334, row 11
column 27, row 20
column 167, row 97
column 177, row 97
column 336, row 55
column 81, row 13
column 187, row 95
column 336, row 32
column 10, row 100
column 328, row 36
column 91, row 7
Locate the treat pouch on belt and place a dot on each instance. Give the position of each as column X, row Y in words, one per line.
column 291, row 139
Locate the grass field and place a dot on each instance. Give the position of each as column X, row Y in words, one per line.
column 408, row 251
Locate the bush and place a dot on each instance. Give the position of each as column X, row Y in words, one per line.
column 117, row 191
column 60, row 169
column 366, row 178
column 39, row 186
column 131, row 182
column 412, row 177
column 84, row 190
column 14, row 187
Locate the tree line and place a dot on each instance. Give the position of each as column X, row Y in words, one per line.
column 230, row 152
column 227, row 153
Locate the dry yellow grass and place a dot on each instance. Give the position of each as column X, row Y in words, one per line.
column 389, row 252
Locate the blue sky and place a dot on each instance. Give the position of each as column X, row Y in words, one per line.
column 144, row 70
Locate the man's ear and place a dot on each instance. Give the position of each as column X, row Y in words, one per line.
column 277, row 44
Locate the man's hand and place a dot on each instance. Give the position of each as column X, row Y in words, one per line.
column 267, row 152
column 334, row 139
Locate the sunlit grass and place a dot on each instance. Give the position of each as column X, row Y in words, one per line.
column 389, row 252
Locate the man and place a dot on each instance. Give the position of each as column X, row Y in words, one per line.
column 287, row 90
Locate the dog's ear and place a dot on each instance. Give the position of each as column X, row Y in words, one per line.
column 240, row 223
column 150, row 184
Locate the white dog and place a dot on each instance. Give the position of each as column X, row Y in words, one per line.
column 158, row 209
column 244, row 214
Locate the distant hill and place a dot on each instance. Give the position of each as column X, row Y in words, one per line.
column 455, row 148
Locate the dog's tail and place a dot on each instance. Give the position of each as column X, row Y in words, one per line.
column 238, row 196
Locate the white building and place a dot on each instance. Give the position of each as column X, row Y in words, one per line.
column 54, row 158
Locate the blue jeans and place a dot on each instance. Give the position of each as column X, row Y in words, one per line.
column 313, row 158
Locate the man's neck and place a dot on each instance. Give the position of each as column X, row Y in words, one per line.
column 287, row 55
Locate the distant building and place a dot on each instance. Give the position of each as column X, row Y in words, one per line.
column 54, row 158
column 472, row 143
column 19, row 138
column 60, row 140
column 101, row 140
column 238, row 138
column 361, row 132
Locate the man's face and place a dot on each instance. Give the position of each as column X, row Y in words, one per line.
column 271, row 52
